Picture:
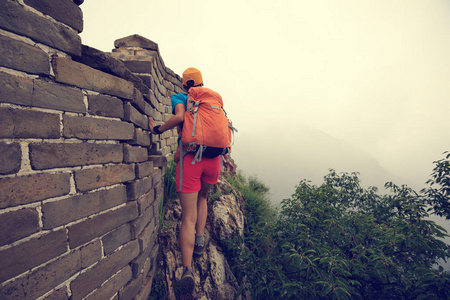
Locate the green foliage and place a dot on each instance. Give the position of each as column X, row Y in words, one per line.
column 259, row 210
column 341, row 241
column 170, row 188
column 439, row 191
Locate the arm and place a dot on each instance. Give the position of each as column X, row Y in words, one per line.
column 175, row 120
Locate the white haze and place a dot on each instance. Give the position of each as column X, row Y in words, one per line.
column 354, row 85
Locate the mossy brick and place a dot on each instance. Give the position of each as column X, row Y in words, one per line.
column 15, row 90
column 57, row 96
column 141, row 138
column 54, row 155
column 66, row 210
column 10, row 158
column 131, row 289
column 96, row 129
column 65, row 11
column 24, row 57
column 134, row 116
column 24, row 256
column 14, row 18
column 89, row 179
column 145, row 201
column 98, row 225
column 18, row 123
column 138, row 188
column 15, row 225
column 107, row 106
column 80, row 75
column 36, row 187
column 144, row 169
column 44, row 279
column 116, row 238
column 104, row 269
column 110, row 288
column 134, row 154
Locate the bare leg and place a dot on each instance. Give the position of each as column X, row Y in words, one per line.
column 187, row 231
column 202, row 208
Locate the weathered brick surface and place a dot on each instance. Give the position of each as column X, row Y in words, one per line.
column 116, row 238
column 17, row 123
column 136, row 40
column 60, row 294
column 138, row 101
column 89, row 229
column 32, row 253
column 74, row 73
column 137, row 265
column 138, row 188
column 27, row 189
column 131, row 289
column 139, row 66
column 20, row 56
column 148, row 237
column 23, row 22
column 157, row 176
column 46, row 278
column 110, row 288
column 47, row 156
column 18, row 224
column 65, row 11
column 158, row 160
column 134, row 154
column 103, row 105
column 64, row 211
column 141, row 138
column 108, row 266
column 145, row 290
column 99, row 129
column 144, row 169
column 135, row 117
column 88, row 179
column 140, row 223
column 10, row 158
column 145, row 201
column 15, row 90
column 56, row 96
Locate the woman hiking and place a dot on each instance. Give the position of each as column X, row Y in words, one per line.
column 197, row 178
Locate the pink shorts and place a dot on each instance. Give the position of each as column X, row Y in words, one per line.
column 206, row 170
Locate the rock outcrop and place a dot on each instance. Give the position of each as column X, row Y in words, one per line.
column 214, row 278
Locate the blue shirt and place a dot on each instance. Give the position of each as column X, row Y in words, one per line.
column 177, row 99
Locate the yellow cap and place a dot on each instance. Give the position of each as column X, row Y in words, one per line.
column 192, row 77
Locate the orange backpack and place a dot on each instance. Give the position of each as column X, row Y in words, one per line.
column 206, row 130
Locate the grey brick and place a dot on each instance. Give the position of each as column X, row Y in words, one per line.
column 23, row 57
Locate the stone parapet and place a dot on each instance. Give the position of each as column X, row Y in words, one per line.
column 81, row 176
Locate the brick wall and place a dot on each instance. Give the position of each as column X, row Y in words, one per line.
column 80, row 176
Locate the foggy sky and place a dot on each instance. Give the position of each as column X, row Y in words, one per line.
column 354, row 85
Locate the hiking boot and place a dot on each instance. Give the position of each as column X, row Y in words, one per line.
column 184, row 289
column 198, row 250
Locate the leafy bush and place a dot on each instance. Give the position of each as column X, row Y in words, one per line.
column 341, row 241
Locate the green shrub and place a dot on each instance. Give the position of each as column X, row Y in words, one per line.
column 341, row 241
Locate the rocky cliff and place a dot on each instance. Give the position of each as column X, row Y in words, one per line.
column 213, row 275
